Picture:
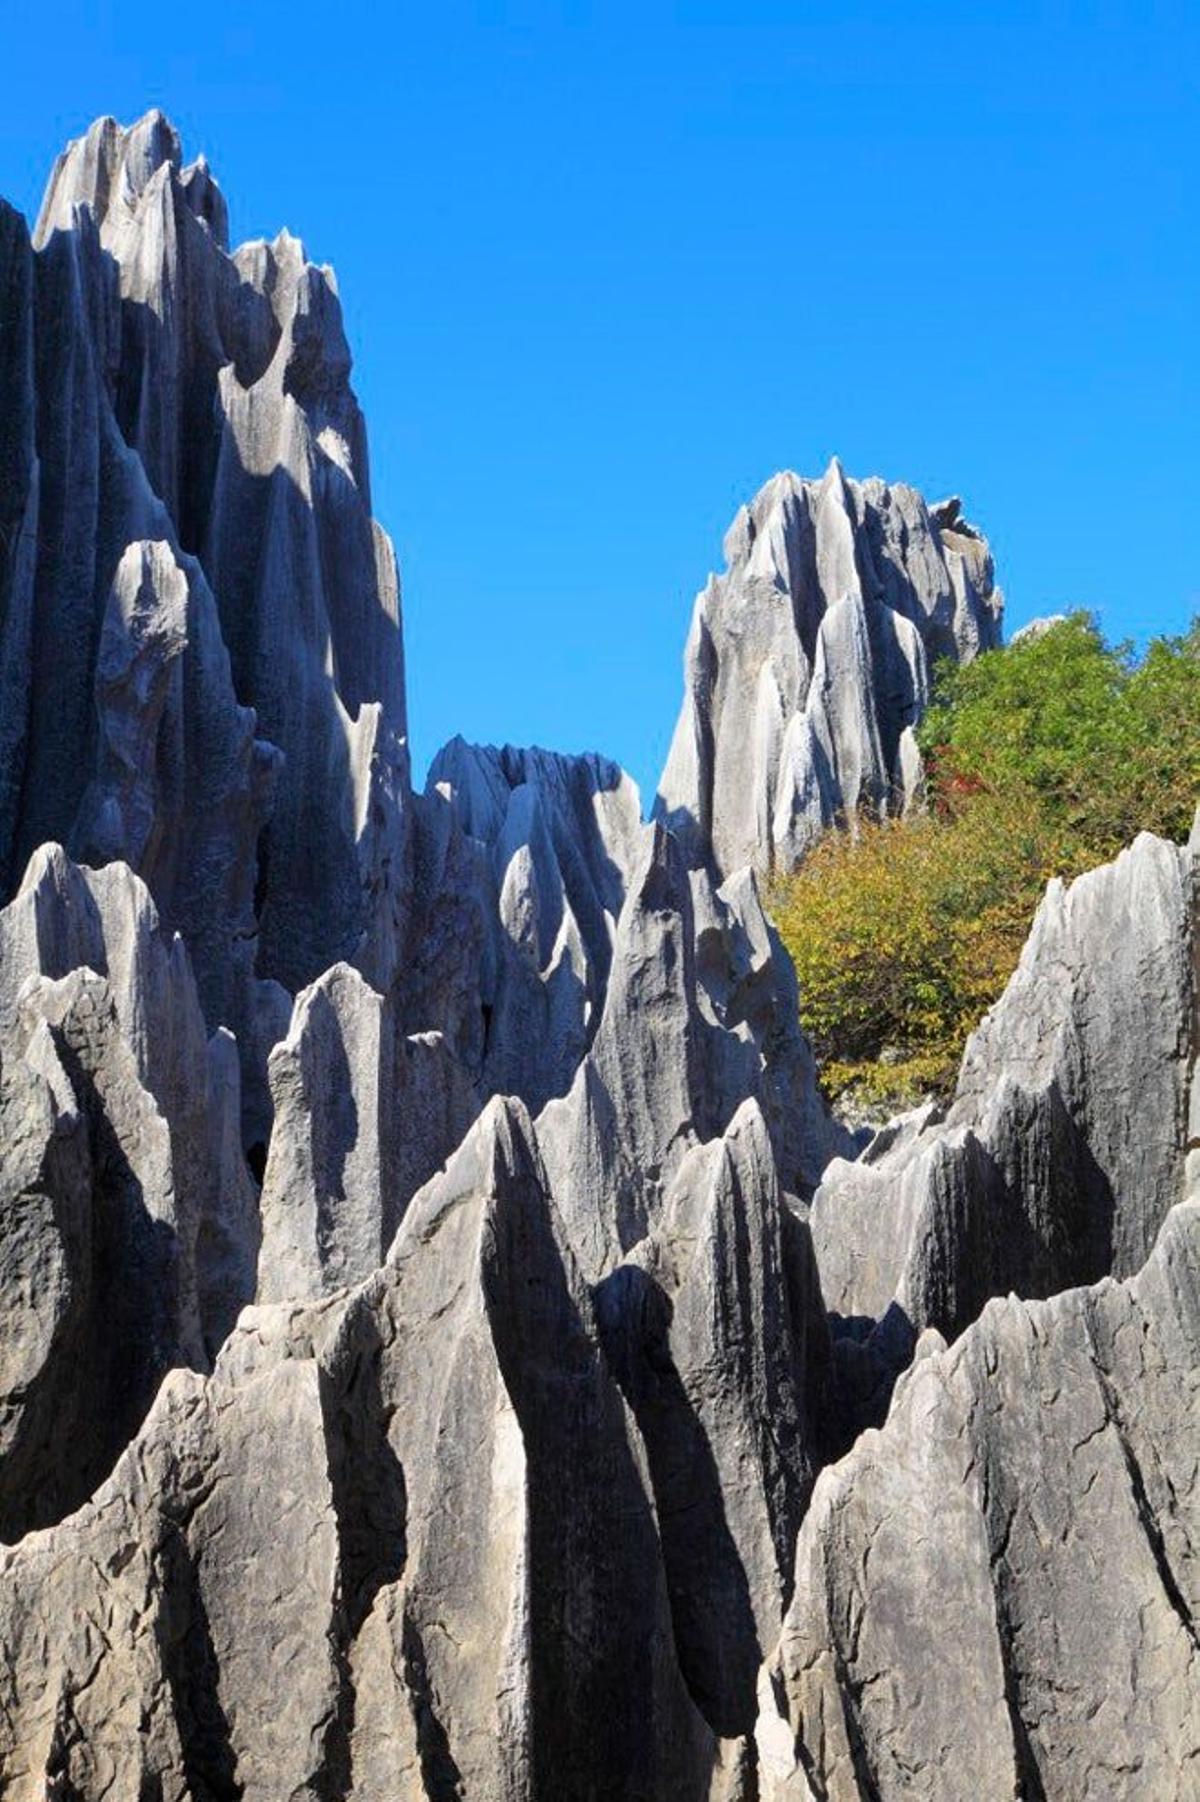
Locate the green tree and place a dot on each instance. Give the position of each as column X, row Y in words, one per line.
column 1043, row 759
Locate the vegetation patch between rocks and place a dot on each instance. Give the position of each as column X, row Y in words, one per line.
column 1042, row 759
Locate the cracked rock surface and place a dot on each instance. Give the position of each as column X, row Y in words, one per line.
column 448, row 1353
column 1065, row 1145
column 807, row 665
column 1001, row 1586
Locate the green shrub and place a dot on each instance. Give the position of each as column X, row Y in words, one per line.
column 1108, row 745
column 1043, row 759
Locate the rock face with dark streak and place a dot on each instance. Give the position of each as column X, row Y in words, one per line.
column 715, row 1329
column 555, row 839
column 1065, row 1146
column 492, row 1427
column 1001, row 1587
column 164, row 691
column 228, row 377
column 131, row 1228
column 695, row 1020
column 807, row 664
column 474, row 1599
column 364, row 1115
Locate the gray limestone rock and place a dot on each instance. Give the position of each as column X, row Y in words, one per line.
column 47, row 1406
column 688, row 1031
column 807, row 664
column 364, row 1115
column 1065, row 1145
column 557, row 837
column 185, row 404
column 230, row 1233
column 175, row 1637
column 715, row 1329
column 454, row 1560
column 481, row 1458
column 1001, row 1587
column 138, row 748
column 148, row 1222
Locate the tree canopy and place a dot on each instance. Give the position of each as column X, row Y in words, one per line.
column 1043, row 758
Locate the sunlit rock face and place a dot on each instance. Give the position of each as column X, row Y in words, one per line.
column 1001, row 1586
column 200, row 628
column 808, row 661
column 491, row 1426
column 1066, row 1143
column 553, row 840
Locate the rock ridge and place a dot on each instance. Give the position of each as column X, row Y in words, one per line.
column 449, row 1350
column 808, row 661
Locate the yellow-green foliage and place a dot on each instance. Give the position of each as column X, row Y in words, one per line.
column 1044, row 758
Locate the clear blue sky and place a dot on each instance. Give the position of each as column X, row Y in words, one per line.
column 605, row 268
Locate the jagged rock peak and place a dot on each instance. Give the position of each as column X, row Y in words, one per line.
column 554, row 838
column 807, row 665
column 112, row 165
column 167, row 406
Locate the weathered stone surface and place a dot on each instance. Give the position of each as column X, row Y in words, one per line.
column 186, row 404
column 454, row 1559
column 141, row 1249
column 558, row 837
column 807, row 663
column 46, row 1402
column 137, row 748
column 66, row 918
column 228, row 1240
column 363, row 1117
column 499, row 1438
column 1066, row 1143
column 715, row 1329
column 132, row 1667
column 1002, row 1585
column 685, row 1036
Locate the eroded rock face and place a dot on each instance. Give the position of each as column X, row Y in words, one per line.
column 556, row 839
column 807, row 665
column 715, row 1329
column 142, row 751
column 1004, row 1580
column 456, row 1548
column 364, row 1115
column 131, row 1235
column 696, row 1018
column 1066, row 1144
column 490, row 1452
column 172, row 405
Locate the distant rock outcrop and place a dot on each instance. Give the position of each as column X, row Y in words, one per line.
column 555, row 841
column 807, row 664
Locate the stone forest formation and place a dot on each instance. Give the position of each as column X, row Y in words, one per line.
column 449, row 1349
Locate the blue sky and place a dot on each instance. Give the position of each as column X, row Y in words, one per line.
column 606, row 268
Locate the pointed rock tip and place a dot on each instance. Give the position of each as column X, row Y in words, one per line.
column 498, row 1148
column 749, row 1122
column 150, row 142
column 50, row 866
column 506, row 1144
column 49, row 862
column 659, row 880
column 286, row 243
